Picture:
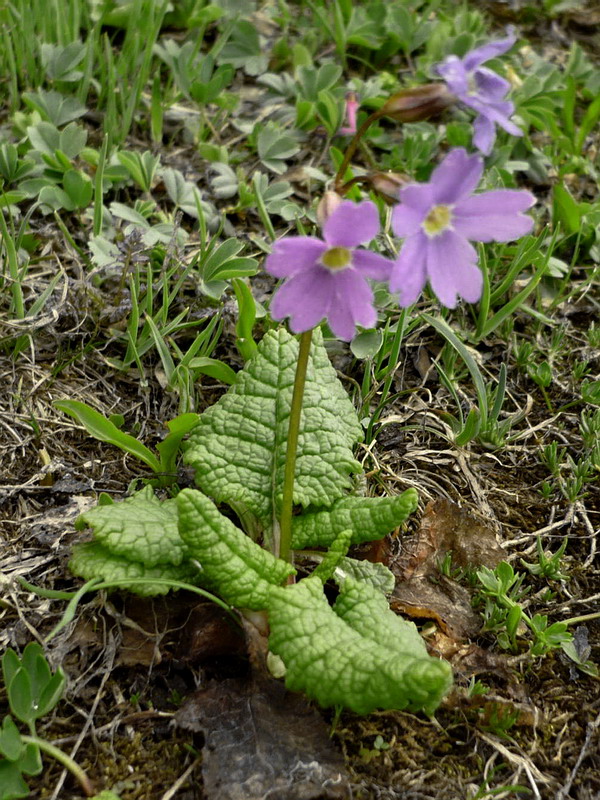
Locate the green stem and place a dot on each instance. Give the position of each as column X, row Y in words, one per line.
column 63, row 759
column 351, row 149
column 285, row 522
column 582, row 618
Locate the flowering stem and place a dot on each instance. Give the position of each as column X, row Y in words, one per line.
column 351, row 149
column 285, row 522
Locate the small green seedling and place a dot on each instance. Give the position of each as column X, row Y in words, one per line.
column 548, row 566
column 103, row 429
column 33, row 691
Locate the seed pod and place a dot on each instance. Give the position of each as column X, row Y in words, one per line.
column 419, row 102
column 388, row 184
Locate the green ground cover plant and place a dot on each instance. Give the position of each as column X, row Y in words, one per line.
column 274, row 275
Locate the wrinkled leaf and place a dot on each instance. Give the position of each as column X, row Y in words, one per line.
column 376, row 575
column 234, row 566
column 91, row 560
column 357, row 654
column 238, row 449
column 368, row 518
column 139, row 528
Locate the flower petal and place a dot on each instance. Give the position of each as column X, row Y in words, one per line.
column 352, row 224
column 372, row 265
column 353, row 305
column 305, row 298
column 294, row 254
column 490, row 85
column 484, row 134
column 494, row 216
column 409, row 275
column 407, row 220
column 418, row 196
column 453, row 71
column 456, row 177
column 490, row 50
column 452, row 270
column 498, row 113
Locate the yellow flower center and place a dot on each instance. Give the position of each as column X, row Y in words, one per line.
column 437, row 220
column 336, row 258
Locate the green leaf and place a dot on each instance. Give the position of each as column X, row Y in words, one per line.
column 246, row 318
column 91, row 560
column 213, row 368
column 141, row 167
column 333, row 556
column 590, row 392
column 169, row 447
column 234, row 566
column 34, row 661
column 140, row 528
column 78, row 187
column 60, row 60
column 358, row 654
column 10, row 664
column 565, row 209
column 239, row 446
column 51, row 693
column 274, row 147
column 11, row 745
column 72, row 140
column 366, row 344
column 12, row 785
column 244, row 49
column 101, row 428
column 20, row 696
column 30, row 762
column 44, row 137
column 368, row 518
column 375, row 574
column 54, row 107
column 312, row 81
column 55, row 199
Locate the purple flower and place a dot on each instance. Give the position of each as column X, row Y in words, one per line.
column 327, row 278
column 438, row 218
column 483, row 90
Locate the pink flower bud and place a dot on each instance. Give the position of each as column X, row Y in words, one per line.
column 327, row 205
column 352, row 106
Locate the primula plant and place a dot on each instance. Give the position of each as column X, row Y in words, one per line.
column 277, row 479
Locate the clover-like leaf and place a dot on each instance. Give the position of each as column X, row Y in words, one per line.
column 368, row 518
column 140, row 528
column 239, row 446
column 92, row 560
column 332, row 656
column 12, row 785
column 11, row 744
column 234, row 566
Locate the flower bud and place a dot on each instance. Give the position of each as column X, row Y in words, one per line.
column 351, row 109
column 418, row 103
column 327, row 205
column 388, row 184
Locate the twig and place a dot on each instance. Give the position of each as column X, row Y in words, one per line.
column 592, row 727
column 181, row 780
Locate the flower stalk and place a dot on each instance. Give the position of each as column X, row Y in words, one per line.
column 285, row 520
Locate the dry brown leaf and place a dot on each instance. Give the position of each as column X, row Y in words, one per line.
column 263, row 741
column 445, row 601
column 446, row 527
